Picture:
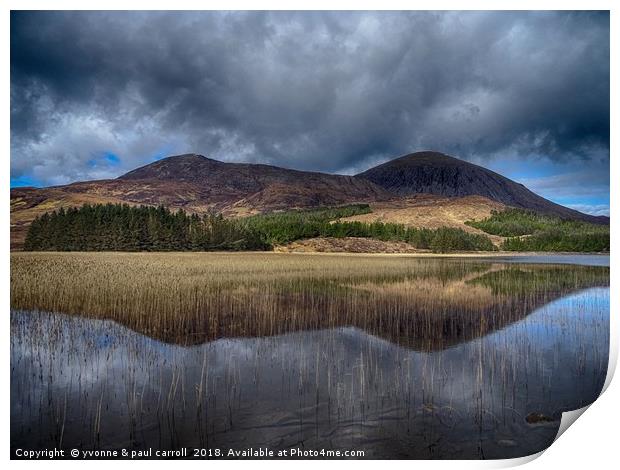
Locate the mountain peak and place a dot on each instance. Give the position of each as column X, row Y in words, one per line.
column 185, row 157
column 432, row 172
column 426, row 154
column 178, row 167
column 429, row 158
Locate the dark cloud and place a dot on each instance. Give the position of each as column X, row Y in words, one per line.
column 329, row 91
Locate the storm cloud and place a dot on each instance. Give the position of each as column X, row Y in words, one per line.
column 94, row 94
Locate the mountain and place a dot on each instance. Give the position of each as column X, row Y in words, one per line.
column 199, row 184
column 436, row 173
column 263, row 187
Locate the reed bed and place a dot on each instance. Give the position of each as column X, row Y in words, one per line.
column 193, row 298
column 212, row 366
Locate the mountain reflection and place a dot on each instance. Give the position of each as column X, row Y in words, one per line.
column 428, row 311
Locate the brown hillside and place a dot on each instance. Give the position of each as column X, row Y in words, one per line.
column 346, row 245
column 431, row 211
column 197, row 184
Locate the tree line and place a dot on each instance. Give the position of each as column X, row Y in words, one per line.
column 530, row 231
column 120, row 227
column 286, row 227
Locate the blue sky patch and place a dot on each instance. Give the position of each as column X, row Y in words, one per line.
column 25, row 180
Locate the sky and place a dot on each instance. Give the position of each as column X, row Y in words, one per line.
column 96, row 94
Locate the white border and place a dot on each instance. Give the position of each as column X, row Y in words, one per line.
column 591, row 443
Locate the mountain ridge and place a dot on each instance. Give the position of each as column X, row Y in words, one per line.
column 200, row 184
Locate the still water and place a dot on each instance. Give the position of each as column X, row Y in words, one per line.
column 490, row 380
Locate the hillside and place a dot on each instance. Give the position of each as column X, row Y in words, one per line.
column 119, row 227
column 346, row 245
column 432, row 211
column 436, row 173
column 198, row 185
column 266, row 187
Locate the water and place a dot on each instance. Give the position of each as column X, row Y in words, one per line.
column 575, row 259
column 509, row 347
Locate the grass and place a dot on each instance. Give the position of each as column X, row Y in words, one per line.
column 195, row 297
column 530, row 231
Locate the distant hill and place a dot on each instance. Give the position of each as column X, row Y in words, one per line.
column 199, row 184
column 436, row 173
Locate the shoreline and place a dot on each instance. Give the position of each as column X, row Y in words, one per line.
column 421, row 254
